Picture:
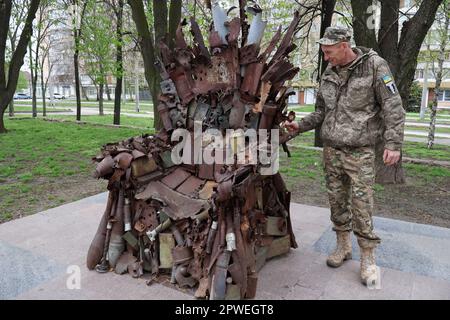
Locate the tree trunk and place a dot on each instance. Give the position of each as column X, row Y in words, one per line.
column 136, row 84
column 174, row 20
column 77, row 38
column 33, row 83
column 326, row 17
column 149, row 47
column 108, row 91
column 100, row 99
column 77, row 77
column 43, row 89
column 119, row 63
column 11, row 108
column 3, row 102
column 8, row 84
column 84, row 92
column 363, row 35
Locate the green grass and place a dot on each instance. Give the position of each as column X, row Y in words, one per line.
column 303, row 164
column 419, row 150
column 301, row 108
column 426, row 129
column 426, row 174
column 34, row 151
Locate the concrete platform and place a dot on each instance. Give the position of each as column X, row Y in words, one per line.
column 41, row 254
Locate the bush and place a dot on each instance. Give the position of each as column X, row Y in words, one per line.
column 415, row 98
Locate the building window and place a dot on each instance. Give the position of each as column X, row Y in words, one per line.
column 92, row 92
column 444, row 95
column 419, row 74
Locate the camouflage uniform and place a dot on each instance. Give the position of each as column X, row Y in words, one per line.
column 352, row 105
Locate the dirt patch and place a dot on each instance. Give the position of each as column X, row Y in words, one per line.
column 49, row 194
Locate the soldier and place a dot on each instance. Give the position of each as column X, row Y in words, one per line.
column 357, row 95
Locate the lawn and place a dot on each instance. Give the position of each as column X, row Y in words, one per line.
column 44, row 164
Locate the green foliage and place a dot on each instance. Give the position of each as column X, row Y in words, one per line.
column 415, row 98
column 22, row 82
column 97, row 41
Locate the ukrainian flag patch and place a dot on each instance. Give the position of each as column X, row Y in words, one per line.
column 387, row 79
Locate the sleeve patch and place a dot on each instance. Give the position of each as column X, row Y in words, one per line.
column 389, row 83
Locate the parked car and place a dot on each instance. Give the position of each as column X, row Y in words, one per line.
column 58, row 96
column 22, row 96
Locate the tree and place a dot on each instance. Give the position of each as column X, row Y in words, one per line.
column 77, row 25
column 443, row 23
column 18, row 17
column 401, row 52
column 8, row 82
column 164, row 20
column 38, row 48
column 117, row 7
column 97, row 47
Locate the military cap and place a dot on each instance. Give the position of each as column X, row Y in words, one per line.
column 335, row 35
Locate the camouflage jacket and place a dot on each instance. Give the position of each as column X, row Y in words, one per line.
column 352, row 111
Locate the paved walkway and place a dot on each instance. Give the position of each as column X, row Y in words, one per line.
column 39, row 253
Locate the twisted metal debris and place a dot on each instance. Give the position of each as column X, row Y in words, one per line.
column 209, row 227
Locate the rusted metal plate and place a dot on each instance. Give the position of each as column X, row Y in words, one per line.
column 276, row 226
column 279, row 246
column 166, row 245
column 250, row 84
column 248, row 54
column 191, row 186
column 183, row 84
column 174, row 179
column 176, row 205
column 143, row 166
column 198, row 40
column 181, row 254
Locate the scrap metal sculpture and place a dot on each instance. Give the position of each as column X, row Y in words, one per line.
column 209, row 227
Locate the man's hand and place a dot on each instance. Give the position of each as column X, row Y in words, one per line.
column 390, row 157
column 292, row 127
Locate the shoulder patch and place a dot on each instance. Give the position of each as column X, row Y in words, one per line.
column 389, row 83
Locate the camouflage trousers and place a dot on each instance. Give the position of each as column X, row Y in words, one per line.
column 350, row 175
